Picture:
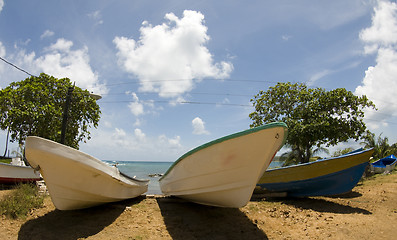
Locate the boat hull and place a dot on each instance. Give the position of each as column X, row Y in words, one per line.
column 224, row 172
column 76, row 180
column 320, row 178
column 386, row 164
column 12, row 174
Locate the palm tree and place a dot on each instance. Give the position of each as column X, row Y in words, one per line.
column 292, row 157
column 341, row 152
column 381, row 145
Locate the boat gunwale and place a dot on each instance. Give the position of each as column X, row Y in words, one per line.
column 9, row 164
column 321, row 160
column 292, row 191
column 226, row 138
column 375, row 163
column 94, row 160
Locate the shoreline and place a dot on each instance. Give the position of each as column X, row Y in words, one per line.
column 369, row 211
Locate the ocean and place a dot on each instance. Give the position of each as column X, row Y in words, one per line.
column 151, row 171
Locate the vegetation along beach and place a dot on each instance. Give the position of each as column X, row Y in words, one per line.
column 183, row 121
column 368, row 212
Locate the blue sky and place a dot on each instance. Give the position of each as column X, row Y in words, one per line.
column 176, row 74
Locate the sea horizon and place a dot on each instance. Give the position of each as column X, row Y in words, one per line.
column 151, row 170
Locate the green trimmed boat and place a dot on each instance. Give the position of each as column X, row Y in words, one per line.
column 224, row 172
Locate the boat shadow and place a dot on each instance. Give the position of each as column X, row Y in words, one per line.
column 351, row 194
column 74, row 224
column 186, row 220
column 321, row 205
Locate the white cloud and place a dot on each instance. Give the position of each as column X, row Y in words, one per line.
column 1, row 5
column 380, row 83
column 2, row 50
column 318, row 76
column 170, row 57
column 136, row 107
column 140, row 135
column 47, row 33
column 286, row 37
column 173, row 143
column 383, row 32
column 135, row 145
column 96, row 16
column 61, row 61
column 198, row 126
column 2, row 54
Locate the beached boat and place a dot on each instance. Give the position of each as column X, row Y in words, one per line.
column 17, row 172
column 386, row 164
column 77, row 180
column 224, row 172
column 323, row 177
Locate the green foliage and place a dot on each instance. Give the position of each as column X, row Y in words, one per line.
column 21, row 201
column 380, row 145
column 292, row 157
column 5, row 160
column 35, row 106
column 341, row 152
column 314, row 116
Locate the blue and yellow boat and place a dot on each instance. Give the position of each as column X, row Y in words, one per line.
column 323, row 177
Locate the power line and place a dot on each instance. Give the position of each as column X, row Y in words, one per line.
column 136, row 81
column 180, row 102
column 20, row 69
column 189, row 93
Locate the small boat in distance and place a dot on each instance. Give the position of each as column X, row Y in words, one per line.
column 324, row 177
column 386, row 164
column 76, row 180
column 17, row 172
column 224, row 172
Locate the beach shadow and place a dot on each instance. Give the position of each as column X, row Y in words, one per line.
column 186, row 220
column 74, row 224
column 351, row 194
column 322, row 205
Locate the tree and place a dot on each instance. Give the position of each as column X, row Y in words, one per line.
column 380, row 145
column 340, row 152
column 35, row 106
column 314, row 116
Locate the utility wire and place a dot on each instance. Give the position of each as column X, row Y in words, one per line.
column 180, row 102
column 136, row 81
column 20, row 69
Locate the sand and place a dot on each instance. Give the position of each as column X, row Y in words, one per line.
column 368, row 212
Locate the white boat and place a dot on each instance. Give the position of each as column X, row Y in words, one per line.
column 76, row 180
column 17, row 172
column 224, row 172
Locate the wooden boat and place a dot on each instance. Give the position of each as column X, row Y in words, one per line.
column 224, row 172
column 76, row 180
column 323, row 177
column 17, row 172
column 386, row 164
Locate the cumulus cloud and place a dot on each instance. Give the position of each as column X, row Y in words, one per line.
column 47, row 33
column 1, row 5
column 173, row 143
column 198, row 126
column 380, row 83
column 169, row 58
column 383, row 32
column 60, row 61
column 140, row 135
column 134, row 145
column 136, row 107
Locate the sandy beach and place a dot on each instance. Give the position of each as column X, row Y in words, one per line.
column 368, row 212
